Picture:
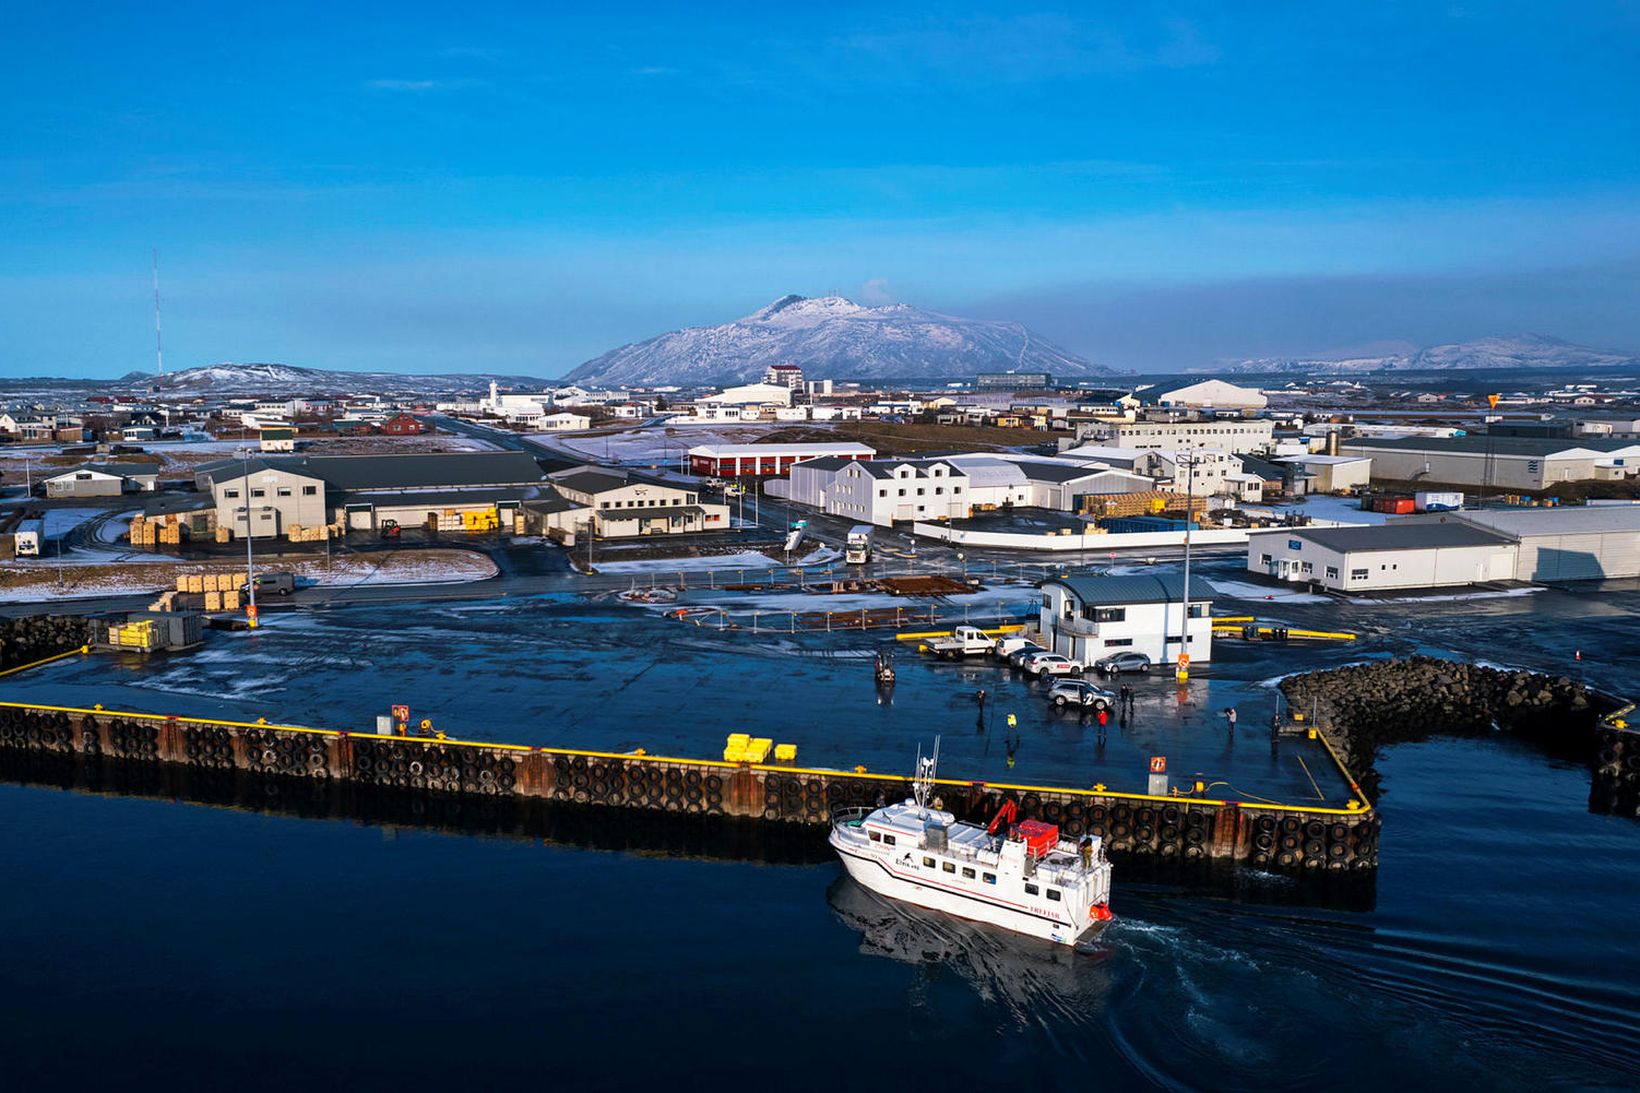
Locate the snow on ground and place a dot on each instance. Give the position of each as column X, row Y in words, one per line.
column 43, row 581
column 745, row 559
column 1489, row 594
column 1243, row 591
column 1324, row 509
column 59, row 522
column 662, row 445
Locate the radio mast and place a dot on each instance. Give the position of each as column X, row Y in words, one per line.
column 159, row 344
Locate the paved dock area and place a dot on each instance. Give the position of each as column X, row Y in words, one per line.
column 564, row 671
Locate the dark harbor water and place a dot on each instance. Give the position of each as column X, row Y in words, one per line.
column 151, row 942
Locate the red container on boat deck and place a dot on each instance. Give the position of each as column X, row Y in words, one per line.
column 1039, row 837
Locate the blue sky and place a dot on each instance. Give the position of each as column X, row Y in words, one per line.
column 520, row 187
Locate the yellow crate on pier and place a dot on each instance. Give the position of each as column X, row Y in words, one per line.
column 785, row 753
column 757, row 749
column 734, row 749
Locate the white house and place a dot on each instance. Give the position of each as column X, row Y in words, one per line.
column 753, row 394
column 881, row 491
column 1086, row 618
column 103, row 480
column 1333, row 473
column 563, row 421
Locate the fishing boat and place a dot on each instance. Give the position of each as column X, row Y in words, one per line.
column 1016, row 874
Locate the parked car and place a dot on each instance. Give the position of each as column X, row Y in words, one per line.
column 1075, row 692
column 1017, row 657
column 1006, row 647
column 1117, row 663
column 280, row 584
column 1050, row 664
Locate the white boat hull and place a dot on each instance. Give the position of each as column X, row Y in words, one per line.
column 877, row 875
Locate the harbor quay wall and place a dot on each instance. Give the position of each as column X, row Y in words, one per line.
column 1614, row 788
column 1298, row 837
column 1362, row 707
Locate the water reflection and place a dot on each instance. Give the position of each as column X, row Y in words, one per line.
column 1036, row 982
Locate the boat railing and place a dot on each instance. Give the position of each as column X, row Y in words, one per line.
column 849, row 817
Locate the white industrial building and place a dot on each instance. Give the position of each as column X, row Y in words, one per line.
column 1212, row 472
column 1214, row 395
column 1474, row 546
column 1576, row 543
column 1086, row 618
column 1228, row 434
column 564, row 421
column 1332, row 473
column 1502, row 462
column 1397, row 555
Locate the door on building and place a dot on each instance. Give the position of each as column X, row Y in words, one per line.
column 361, row 517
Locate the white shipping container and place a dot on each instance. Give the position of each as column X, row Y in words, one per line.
column 1437, row 501
column 30, row 535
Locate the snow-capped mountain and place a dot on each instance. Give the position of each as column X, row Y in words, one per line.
column 1538, row 352
column 833, row 338
column 233, row 379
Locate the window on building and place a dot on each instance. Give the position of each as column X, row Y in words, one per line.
column 902, row 492
column 939, row 490
column 230, row 493
column 1332, row 571
column 1307, row 567
column 882, row 493
column 259, row 493
column 1265, row 559
column 1031, row 889
column 1104, row 614
column 921, row 491
column 1358, row 574
column 956, row 489
column 284, row 491
column 1112, row 643
column 990, row 878
column 310, row 491
column 1198, row 610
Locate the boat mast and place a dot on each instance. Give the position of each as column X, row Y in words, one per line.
column 922, row 786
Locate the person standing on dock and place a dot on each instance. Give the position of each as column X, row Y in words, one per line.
column 1230, row 720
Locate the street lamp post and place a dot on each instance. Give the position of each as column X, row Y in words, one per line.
column 250, row 561
column 1188, row 463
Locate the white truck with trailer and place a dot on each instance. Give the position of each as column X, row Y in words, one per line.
column 857, row 550
column 30, row 537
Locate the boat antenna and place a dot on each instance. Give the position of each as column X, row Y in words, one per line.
column 922, row 787
column 159, row 344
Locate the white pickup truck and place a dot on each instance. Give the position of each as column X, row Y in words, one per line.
column 965, row 641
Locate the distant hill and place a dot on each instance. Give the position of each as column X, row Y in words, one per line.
column 1538, row 352
column 233, row 379
column 833, row 338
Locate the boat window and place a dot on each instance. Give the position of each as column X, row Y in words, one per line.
column 1053, row 894
column 888, row 840
column 1030, row 889
column 948, row 867
column 876, row 837
column 967, row 873
column 928, row 863
column 990, row 878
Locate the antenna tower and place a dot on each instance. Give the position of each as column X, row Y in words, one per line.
column 159, row 344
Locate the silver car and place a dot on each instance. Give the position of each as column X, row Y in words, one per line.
column 1075, row 692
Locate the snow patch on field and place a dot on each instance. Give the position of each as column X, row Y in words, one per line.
column 42, row 582
column 1242, row 591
